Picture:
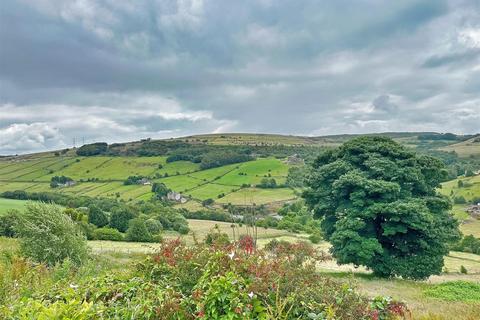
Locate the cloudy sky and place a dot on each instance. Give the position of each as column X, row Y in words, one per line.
column 109, row 70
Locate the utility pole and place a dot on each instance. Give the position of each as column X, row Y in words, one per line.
column 74, row 142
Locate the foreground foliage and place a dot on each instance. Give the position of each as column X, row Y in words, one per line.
column 380, row 208
column 48, row 235
column 230, row 281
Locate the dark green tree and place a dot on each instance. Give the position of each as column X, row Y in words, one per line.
column 138, row 232
column 160, row 189
column 97, row 217
column 380, row 209
column 120, row 217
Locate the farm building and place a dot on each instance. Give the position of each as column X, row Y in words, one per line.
column 294, row 159
column 176, row 196
column 474, row 211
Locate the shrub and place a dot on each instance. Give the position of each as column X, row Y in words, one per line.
column 57, row 181
column 8, row 222
column 87, row 229
column 48, row 235
column 459, row 200
column 108, row 234
column 153, row 226
column 133, row 180
column 138, row 232
column 463, row 269
column 217, row 238
column 207, row 202
column 267, row 183
column 315, row 237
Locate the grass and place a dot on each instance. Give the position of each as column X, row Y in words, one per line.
column 211, row 190
column 258, row 196
column 470, row 191
column 471, row 226
column 455, row 291
column 465, row 149
column 253, row 172
column 33, row 173
column 10, row 204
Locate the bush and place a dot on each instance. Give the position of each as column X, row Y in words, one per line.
column 207, row 202
column 108, row 234
column 468, row 244
column 267, row 183
column 153, row 226
column 138, row 232
column 87, row 229
column 315, row 237
column 57, row 181
column 48, row 235
column 459, row 200
column 8, row 223
column 198, row 282
column 133, row 180
column 463, row 269
column 216, row 238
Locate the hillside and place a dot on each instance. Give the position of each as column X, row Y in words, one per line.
column 465, row 148
column 104, row 177
column 102, row 170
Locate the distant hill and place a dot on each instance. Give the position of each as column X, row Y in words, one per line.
column 227, row 167
column 465, row 148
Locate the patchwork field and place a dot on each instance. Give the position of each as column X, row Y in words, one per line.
column 103, row 177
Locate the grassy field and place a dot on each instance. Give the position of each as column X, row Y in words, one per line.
column 33, row 174
column 470, row 147
column 9, row 204
column 469, row 191
column 258, row 196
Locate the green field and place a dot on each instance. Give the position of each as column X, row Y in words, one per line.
column 9, row 204
column 33, row 174
column 469, row 191
column 258, row 196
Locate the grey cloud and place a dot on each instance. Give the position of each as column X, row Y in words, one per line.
column 121, row 70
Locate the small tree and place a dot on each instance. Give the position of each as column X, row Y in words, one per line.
column 138, row 232
column 120, row 217
column 153, row 226
column 207, row 202
column 48, row 235
column 8, row 222
column 97, row 217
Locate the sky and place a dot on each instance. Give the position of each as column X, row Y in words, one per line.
column 109, row 70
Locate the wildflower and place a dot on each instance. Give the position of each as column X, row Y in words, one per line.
column 231, row 255
column 73, row 286
column 251, row 294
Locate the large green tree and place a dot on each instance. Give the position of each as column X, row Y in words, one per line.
column 379, row 207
